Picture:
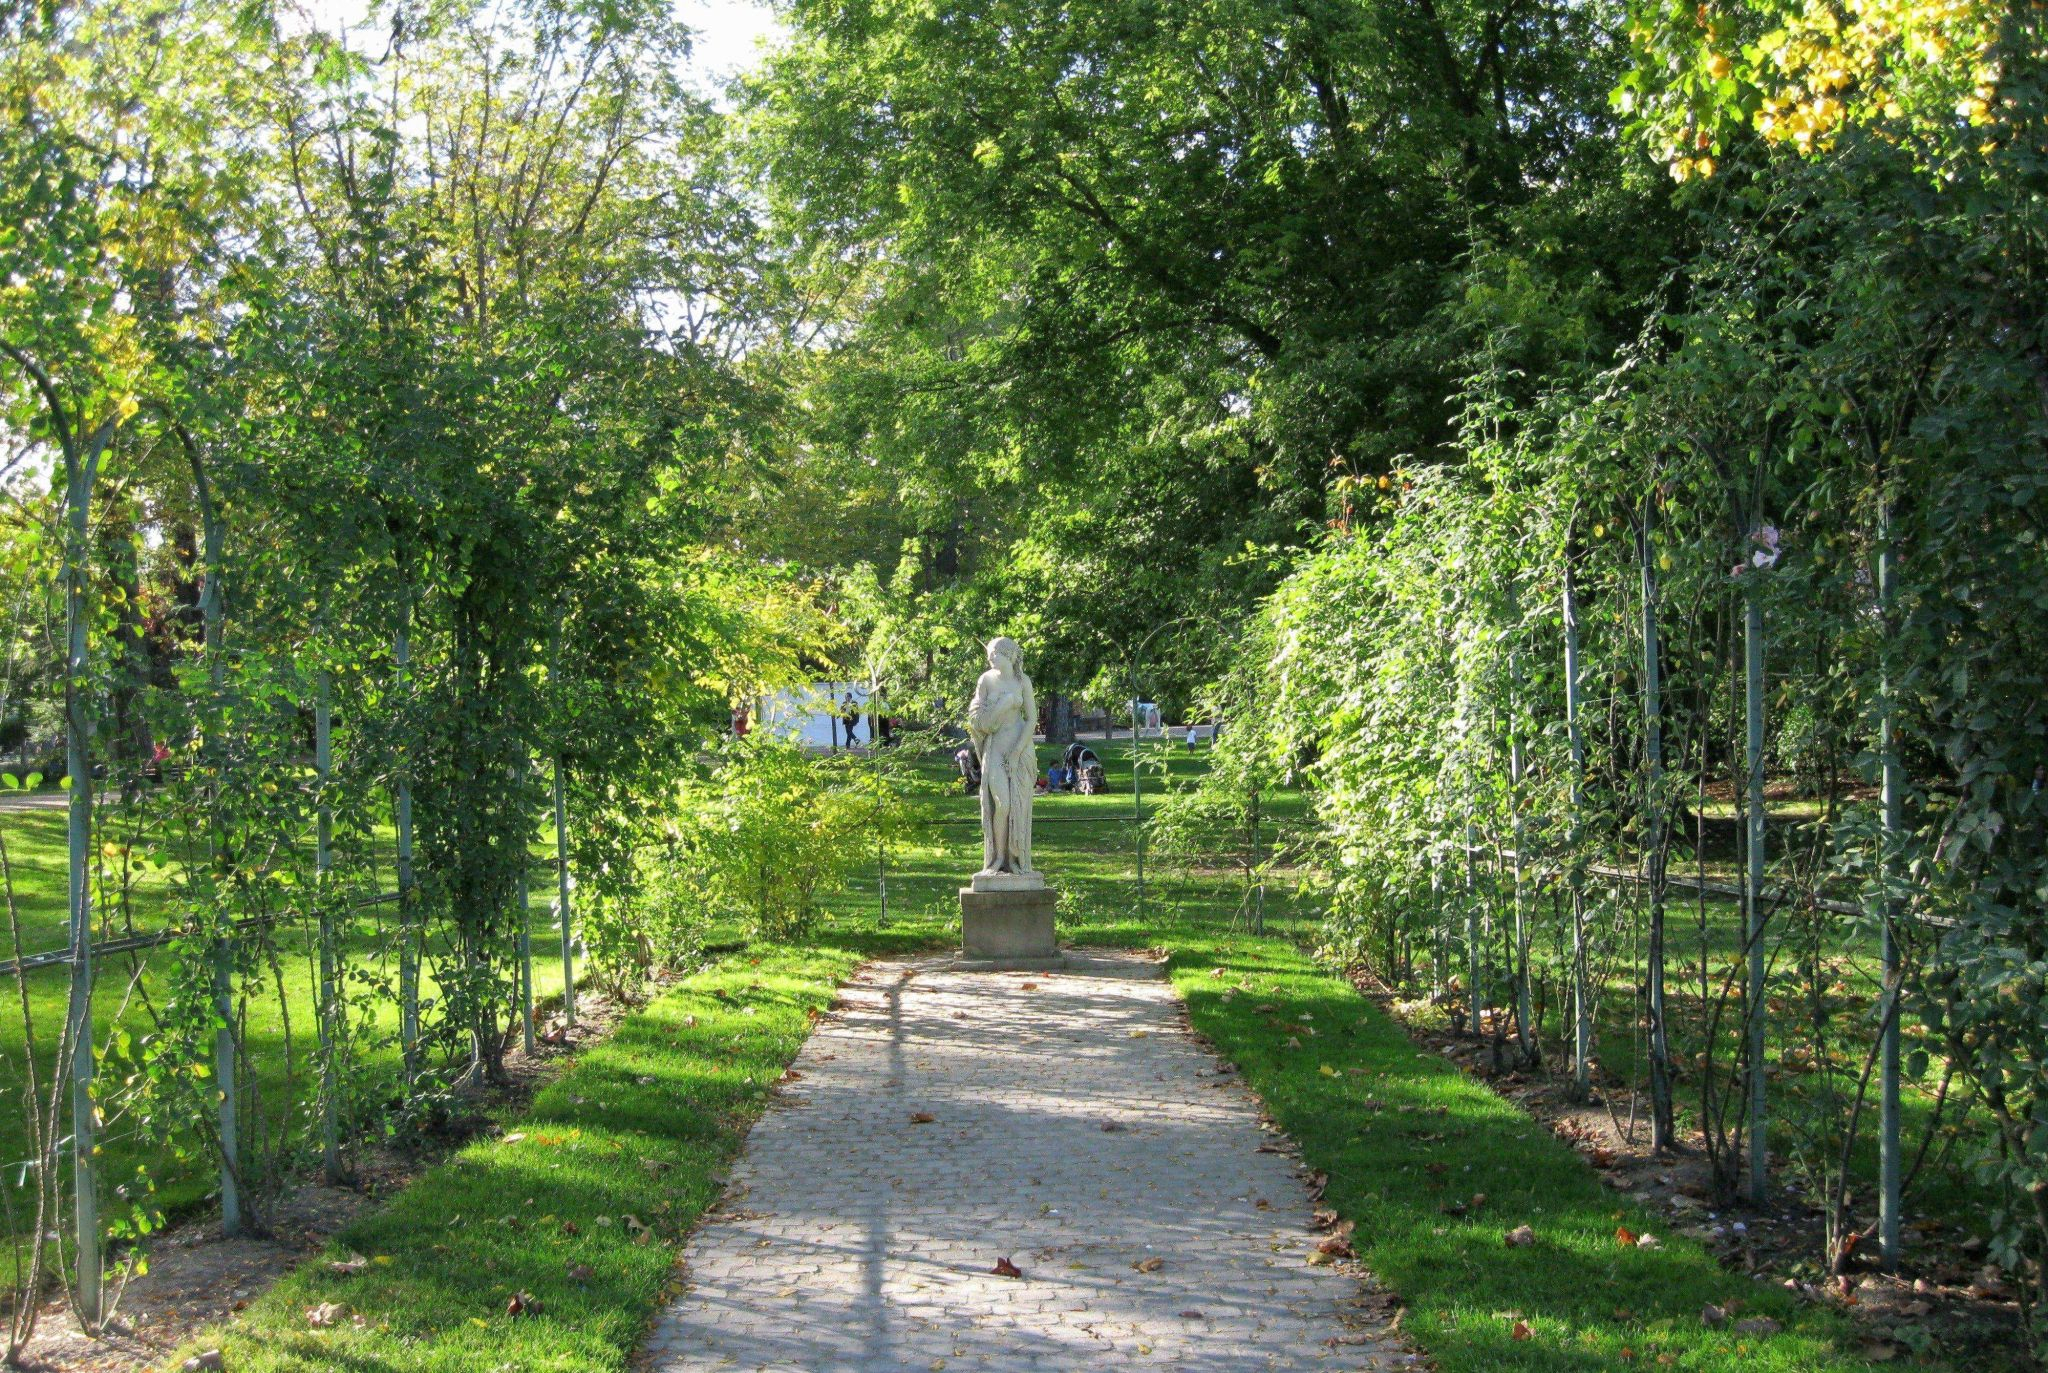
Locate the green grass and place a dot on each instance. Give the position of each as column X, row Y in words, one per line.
column 179, row 1168
column 1407, row 1140
column 450, row 1251
column 641, row 1125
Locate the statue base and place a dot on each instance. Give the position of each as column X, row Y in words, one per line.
column 1009, row 927
column 1006, row 881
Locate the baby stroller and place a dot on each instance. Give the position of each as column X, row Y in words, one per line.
column 1085, row 768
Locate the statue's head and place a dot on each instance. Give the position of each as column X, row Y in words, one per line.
column 1004, row 655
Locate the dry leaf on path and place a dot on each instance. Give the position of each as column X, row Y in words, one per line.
column 922, row 1117
column 1151, row 1265
column 1005, row 1269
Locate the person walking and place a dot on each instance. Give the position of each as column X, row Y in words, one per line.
column 850, row 711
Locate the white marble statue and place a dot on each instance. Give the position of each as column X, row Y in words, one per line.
column 1001, row 720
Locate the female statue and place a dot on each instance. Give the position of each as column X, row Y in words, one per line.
column 1001, row 720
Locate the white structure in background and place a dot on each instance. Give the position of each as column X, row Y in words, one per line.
column 814, row 715
column 1146, row 714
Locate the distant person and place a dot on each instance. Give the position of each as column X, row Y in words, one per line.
column 850, row 708
column 969, row 768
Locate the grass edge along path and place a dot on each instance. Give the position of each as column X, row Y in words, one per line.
column 636, row 1132
column 1408, row 1141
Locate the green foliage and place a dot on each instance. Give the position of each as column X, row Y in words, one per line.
column 1382, row 1121
column 640, row 1126
column 771, row 829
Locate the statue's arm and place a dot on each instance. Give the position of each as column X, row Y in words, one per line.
column 978, row 723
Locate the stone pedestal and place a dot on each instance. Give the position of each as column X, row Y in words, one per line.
column 1006, row 923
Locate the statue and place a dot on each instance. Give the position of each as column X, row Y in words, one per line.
column 1001, row 721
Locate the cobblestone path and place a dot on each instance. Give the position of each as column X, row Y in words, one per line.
column 939, row 1122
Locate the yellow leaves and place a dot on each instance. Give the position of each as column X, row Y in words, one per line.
column 1830, row 65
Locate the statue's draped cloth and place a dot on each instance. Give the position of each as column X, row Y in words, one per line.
column 1001, row 721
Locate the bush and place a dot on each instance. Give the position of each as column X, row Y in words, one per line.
column 771, row 826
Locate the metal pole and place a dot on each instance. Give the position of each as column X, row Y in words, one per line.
column 1662, row 1126
column 882, row 880
column 1753, row 636
column 226, row 1121
column 1889, row 1193
column 1472, row 919
column 1524, row 1023
column 1137, row 801
column 323, row 865
column 562, row 897
column 525, row 964
column 78, row 1014
column 408, row 953
column 520, row 773
column 1582, row 1018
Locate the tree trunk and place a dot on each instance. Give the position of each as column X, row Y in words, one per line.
column 1059, row 717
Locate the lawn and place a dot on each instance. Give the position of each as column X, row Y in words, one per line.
column 644, row 1124
column 278, row 1034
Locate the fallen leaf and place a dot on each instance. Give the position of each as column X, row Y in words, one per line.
column 1005, row 1269
column 1520, row 1331
column 1336, row 1246
column 579, row 1272
column 1624, row 1237
column 326, row 1314
column 514, row 1137
column 350, row 1266
column 922, row 1117
column 1193, row 1315
column 523, row 1304
column 1757, row 1325
column 1713, row 1317
column 1027, row 986
column 207, row 1362
column 1519, row 1236
column 1648, row 1242
column 1151, row 1265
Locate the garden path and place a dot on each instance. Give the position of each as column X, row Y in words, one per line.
column 939, row 1122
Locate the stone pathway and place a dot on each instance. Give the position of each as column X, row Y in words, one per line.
column 941, row 1121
